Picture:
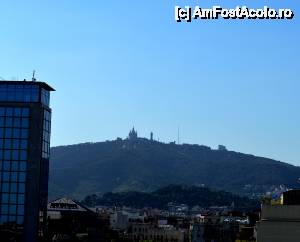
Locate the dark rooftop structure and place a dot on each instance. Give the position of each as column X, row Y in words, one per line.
column 291, row 197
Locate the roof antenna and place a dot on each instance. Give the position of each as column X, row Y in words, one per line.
column 33, row 74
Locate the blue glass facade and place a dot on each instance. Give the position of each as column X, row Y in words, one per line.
column 46, row 134
column 19, row 93
column 45, row 97
column 14, row 130
column 25, row 121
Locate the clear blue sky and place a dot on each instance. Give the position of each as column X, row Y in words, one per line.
column 116, row 64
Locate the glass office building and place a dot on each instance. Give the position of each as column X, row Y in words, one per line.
column 25, row 120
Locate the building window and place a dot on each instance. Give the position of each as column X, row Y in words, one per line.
column 19, row 93
column 45, row 97
column 14, row 132
column 46, row 134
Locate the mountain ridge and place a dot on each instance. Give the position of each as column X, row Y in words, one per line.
column 145, row 165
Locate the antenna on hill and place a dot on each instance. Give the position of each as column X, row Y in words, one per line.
column 178, row 136
column 33, row 76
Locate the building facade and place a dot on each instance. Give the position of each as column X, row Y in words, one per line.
column 25, row 120
column 149, row 232
column 279, row 223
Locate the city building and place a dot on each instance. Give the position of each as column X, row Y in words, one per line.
column 177, row 209
column 150, row 232
column 280, row 221
column 197, row 232
column 57, row 208
column 121, row 219
column 70, row 219
column 25, row 120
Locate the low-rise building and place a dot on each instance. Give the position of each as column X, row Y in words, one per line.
column 280, row 222
column 121, row 219
column 69, row 220
column 150, row 232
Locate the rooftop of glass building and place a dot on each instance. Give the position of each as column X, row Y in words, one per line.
column 26, row 83
column 25, row 91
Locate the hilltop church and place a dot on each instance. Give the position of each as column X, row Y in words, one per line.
column 132, row 135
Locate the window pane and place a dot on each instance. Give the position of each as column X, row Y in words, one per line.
column 6, row 165
column 5, row 187
column 6, row 176
column 4, row 209
column 1, row 132
column 18, row 112
column 21, row 198
column 14, row 166
column 23, row 155
column 20, row 220
column 7, row 154
column 21, row 188
column 20, row 210
column 8, row 133
column 25, row 122
column 19, row 96
column 15, row 154
column 16, row 143
column 24, row 133
column 12, row 209
column 8, row 122
column 7, row 144
column 14, row 176
column 9, row 111
column 1, row 121
column 25, row 112
column 13, row 198
column 4, row 197
column 3, row 218
column 22, row 177
column 22, row 166
column 17, row 122
column 23, row 144
column 13, row 187
column 12, row 218
column 2, row 111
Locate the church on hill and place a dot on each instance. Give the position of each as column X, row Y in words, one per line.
column 132, row 135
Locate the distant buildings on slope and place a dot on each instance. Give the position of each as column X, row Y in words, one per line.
column 133, row 137
column 222, row 148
